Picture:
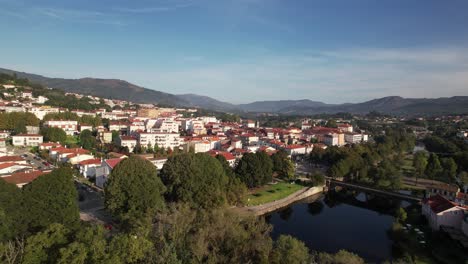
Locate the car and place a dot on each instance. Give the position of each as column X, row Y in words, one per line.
column 37, row 158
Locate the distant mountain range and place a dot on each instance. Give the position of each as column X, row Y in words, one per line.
column 123, row 90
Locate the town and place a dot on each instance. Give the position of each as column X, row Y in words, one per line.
column 308, row 155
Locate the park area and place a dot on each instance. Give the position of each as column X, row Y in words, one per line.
column 272, row 192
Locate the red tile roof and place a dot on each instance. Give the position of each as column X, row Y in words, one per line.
column 10, row 158
column 90, row 161
column 23, row 177
column 113, row 162
column 226, row 155
column 11, row 164
column 438, row 203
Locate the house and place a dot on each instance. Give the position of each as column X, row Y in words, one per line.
column 103, row 171
column 249, row 139
column 3, row 149
column 4, row 134
column 158, row 162
column 448, row 191
column 22, row 178
column 7, row 168
column 27, row 140
column 127, row 141
column 12, row 159
column 105, row 137
column 69, row 126
column 197, row 146
column 88, row 167
column 345, row 128
column 462, row 198
column 40, row 112
column 228, row 156
column 85, row 127
column 352, row 138
column 441, row 212
column 49, row 145
column 293, row 150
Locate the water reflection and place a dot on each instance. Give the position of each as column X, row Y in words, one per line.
column 353, row 221
column 315, row 208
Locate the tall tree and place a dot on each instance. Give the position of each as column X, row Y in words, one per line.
column 11, row 213
column 235, row 188
column 54, row 134
column 87, row 140
column 51, row 198
column 433, row 169
column 449, row 169
column 134, row 191
column 419, row 164
column 251, row 171
column 283, row 165
column 196, row 179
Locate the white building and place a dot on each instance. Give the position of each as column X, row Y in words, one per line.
column 88, row 167
column 40, row 112
column 29, row 140
column 441, row 212
column 353, row 138
column 127, row 141
column 331, row 139
column 163, row 140
column 103, row 171
column 69, row 126
column 197, row 146
column 163, row 125
column 158, row 162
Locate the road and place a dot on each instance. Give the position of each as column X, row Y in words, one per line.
column 91, row 204
column 33, row 160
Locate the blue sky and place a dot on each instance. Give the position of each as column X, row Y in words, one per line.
column 246, row 50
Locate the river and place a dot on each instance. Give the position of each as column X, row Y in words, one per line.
column 356, row 222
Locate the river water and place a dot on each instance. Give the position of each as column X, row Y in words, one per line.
column 357, row 222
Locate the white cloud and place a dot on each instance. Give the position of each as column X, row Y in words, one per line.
column 331, row 76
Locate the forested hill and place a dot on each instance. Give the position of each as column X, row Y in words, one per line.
column 106, row 88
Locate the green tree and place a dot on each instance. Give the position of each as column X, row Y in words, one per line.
column 401, row 215
column 331, row 123
column 54, row 134
column 255, row 169
column 134, row 191
column 289, row 250
column 419, row 164
column 87, row 140
column 130, row 248
column 235, row 188
column 43, row 247
column 449, row 168
column 283, row 165
column 341, row 257
column 196, row 179
column 51, row 198
column 185, row 235
column 433, row 168
column 11, row 213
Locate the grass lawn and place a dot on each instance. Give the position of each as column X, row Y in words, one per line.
column 71, row 140
column 270, row 193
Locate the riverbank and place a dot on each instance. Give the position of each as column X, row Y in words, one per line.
column 263, row 209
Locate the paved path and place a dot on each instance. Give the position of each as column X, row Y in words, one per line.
column 275, row 205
